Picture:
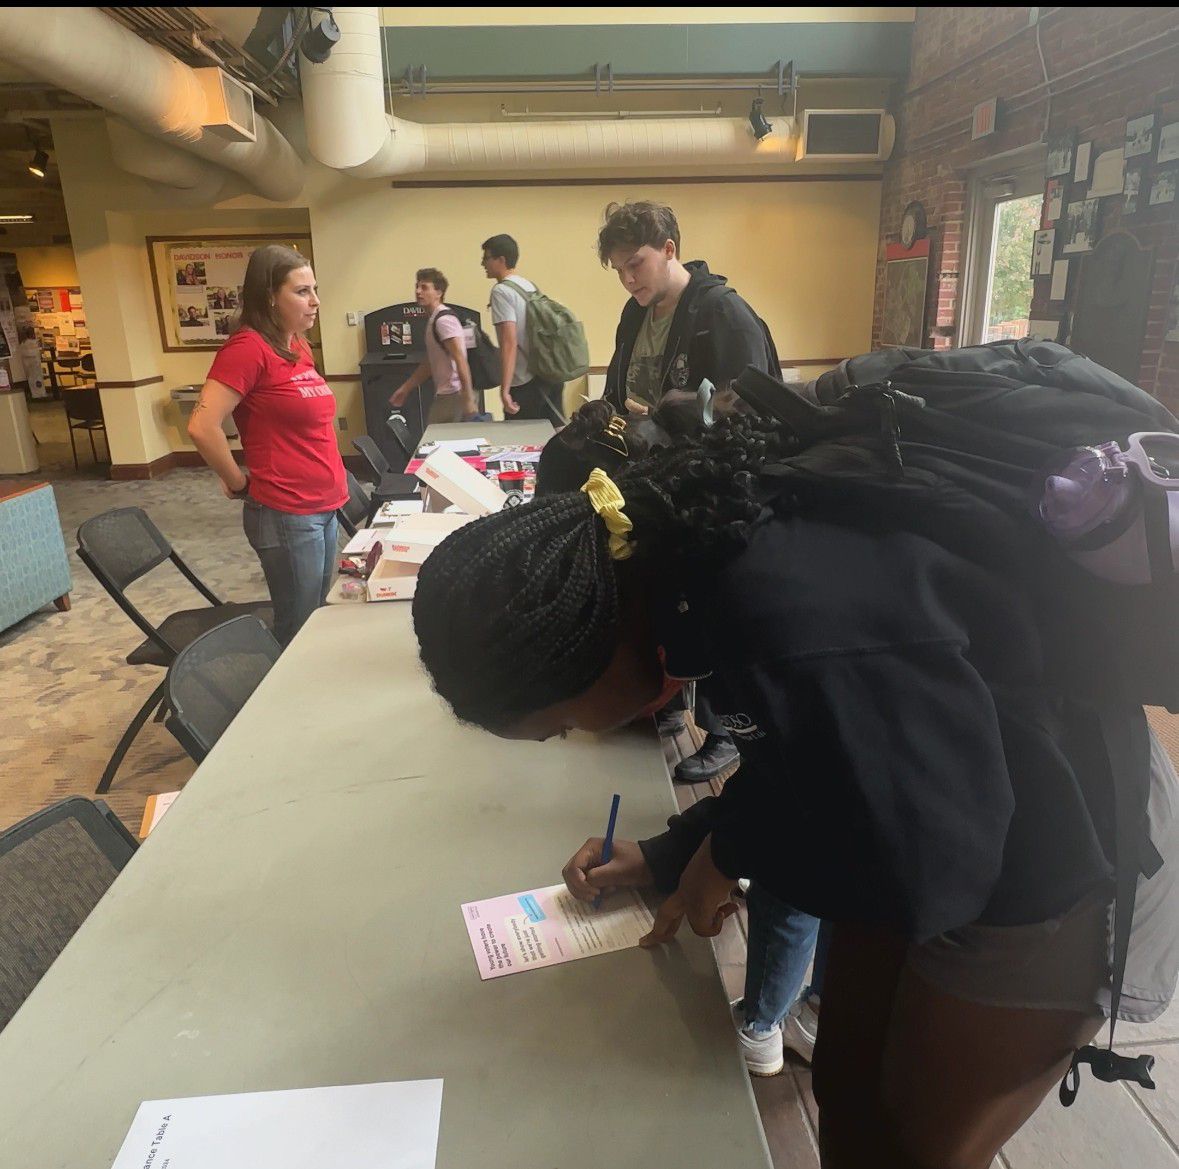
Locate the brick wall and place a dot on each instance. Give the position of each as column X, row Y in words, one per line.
column 1104, row 65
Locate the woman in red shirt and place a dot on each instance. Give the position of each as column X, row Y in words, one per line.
column 293, row 479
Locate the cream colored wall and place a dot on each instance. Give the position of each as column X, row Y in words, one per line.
column 802, row 253
column 51, row 267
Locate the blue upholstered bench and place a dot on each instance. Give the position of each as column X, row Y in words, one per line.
column 33, row 565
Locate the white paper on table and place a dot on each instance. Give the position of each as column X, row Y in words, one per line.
column 458, row 445
column 514, row 456
column 389, row 513
column 545, row 927
column 1108, row 174
column 392, row 1125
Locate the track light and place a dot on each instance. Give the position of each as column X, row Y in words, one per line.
column 757, row 120
column 38, row 164
column 318, row 42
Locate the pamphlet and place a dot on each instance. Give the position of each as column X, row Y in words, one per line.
column 545, row 927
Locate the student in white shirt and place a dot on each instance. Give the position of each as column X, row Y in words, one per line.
column 523, row 395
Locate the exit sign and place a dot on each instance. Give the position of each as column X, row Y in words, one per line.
column 984, row 118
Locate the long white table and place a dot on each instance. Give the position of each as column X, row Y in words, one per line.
column 294, row 921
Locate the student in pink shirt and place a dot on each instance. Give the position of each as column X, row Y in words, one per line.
column 446, row 355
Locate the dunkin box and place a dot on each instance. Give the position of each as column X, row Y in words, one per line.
column 448, row 477
column 404, row 547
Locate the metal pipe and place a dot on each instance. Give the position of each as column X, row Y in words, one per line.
column 569, row 115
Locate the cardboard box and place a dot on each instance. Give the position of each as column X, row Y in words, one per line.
column 415, row 537
column 393, row 580
column 445, row 474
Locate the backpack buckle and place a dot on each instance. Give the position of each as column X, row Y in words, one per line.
column 1108, row 1067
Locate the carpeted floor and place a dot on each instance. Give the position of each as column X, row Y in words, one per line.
column 68, row 694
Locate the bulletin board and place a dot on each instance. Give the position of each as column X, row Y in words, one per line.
column 197, row 282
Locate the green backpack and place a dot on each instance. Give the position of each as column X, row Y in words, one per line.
column 557, row 348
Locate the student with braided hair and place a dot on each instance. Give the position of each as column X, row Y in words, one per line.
column 771, row 1014
column 908, row 772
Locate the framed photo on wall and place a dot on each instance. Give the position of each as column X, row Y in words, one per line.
column 1132, row 191
column 1043, row 248
column 906, row 274
column 1168, row 143
column 1060, row 154
column 1139, row 135
column 1084, row 161
column 198, row 285
column 1163, row 188
column 1080, row 227
column 1053, row 202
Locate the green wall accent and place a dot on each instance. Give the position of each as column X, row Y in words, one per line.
column 838, row 49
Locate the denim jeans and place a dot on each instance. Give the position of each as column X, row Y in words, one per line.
column 298, row 555
column 781, row 940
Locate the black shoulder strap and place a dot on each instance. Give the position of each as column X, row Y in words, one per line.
column 446, row 312
column 1127, row 747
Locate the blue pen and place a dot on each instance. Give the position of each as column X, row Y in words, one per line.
column 608, row 843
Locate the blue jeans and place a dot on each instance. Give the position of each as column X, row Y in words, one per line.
column 298, row 555
column 781, row 939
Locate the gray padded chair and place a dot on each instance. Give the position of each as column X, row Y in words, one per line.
column 54, row 868
column 120, row 546
column 356, row 512
column 213, row 677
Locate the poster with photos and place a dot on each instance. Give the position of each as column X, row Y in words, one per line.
column 1168, row 144
column 1053, row 202
column 198, row 285
column 1139, row 135
column 1162, row 190
column 1060, row 154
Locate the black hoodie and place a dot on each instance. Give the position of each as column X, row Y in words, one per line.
column 714, row 334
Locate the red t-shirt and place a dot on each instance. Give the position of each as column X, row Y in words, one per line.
column 286, row 421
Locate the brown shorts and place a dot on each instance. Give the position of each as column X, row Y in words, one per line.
column 1064, row 964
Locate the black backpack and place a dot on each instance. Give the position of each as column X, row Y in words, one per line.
column 483, row 359
column 952, row 444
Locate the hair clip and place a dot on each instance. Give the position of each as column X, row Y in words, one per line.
column 612, row 437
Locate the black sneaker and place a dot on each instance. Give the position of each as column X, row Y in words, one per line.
column 716, row 754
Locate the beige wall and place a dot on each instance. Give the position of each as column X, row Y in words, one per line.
column 52, row 267
column 802, row 253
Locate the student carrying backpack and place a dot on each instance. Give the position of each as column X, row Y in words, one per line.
column 1034, row 461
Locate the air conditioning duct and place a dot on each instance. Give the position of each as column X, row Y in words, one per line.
column 846, row 135
column 229, row 105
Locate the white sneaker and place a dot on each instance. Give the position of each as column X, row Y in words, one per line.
column 762, row 1049
column 800, row 1028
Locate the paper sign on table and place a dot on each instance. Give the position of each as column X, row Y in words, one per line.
column 394, row 1126
column 458, row 445
column 545, row 927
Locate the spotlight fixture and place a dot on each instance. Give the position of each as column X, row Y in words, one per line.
column 318, row 42
column 757, row 120
column 39, row 162
column 21, row 218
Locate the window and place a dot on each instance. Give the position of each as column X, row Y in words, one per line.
column 1004, row 217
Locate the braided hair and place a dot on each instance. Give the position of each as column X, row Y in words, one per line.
column 520, row 609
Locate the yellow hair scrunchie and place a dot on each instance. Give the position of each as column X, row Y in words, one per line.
column 607, row 501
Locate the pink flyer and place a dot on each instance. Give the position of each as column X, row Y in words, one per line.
column 545, row 927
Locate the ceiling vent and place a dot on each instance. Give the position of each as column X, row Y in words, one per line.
column 846, row 135
column 229, row 105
